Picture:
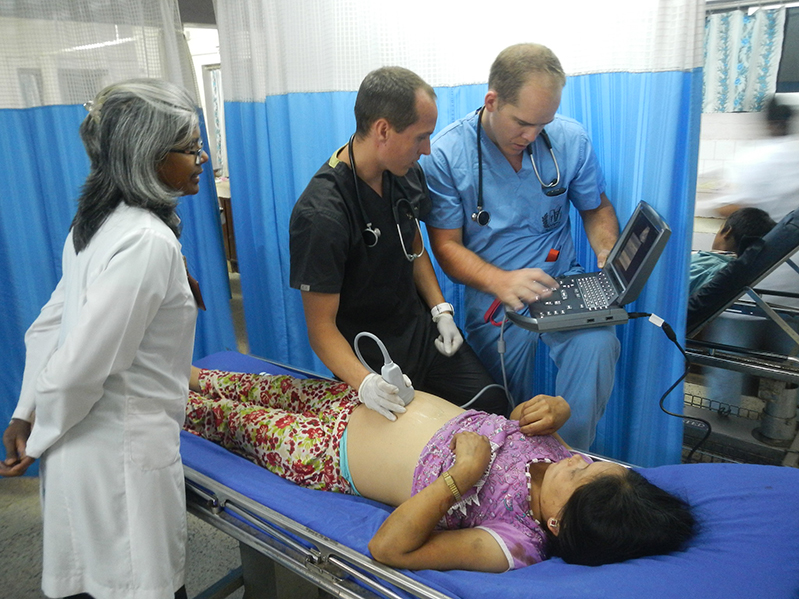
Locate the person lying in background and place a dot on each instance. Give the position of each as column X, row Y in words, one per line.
column 472, row 490
column 740, row 229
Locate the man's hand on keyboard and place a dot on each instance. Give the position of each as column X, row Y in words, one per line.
column 515, row 288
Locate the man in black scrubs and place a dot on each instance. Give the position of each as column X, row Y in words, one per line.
column 357, row 256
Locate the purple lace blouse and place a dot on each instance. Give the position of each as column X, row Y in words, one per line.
column 499, row 502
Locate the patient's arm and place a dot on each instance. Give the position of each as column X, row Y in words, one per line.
column 727, row 209
column 407, row 538
column 541, row 415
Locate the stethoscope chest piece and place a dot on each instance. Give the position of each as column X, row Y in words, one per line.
column 371, row 235
column 481, row 217
column 554, row 192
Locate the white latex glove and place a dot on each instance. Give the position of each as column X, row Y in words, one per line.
column 449, row 340
column 380, row 396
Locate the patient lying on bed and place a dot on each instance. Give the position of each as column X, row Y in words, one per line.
column 472, row 490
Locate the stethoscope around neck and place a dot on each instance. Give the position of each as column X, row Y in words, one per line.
column 371, row 234
column 481, row 216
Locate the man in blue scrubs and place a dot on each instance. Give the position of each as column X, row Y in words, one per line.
column 527, row 240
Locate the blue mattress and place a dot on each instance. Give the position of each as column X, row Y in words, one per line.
column 748, row 544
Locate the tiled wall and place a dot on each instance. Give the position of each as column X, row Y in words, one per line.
column 723, row 136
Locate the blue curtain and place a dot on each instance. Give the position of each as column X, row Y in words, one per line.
column 645, row 127
column 274, row 148
column 45, row 168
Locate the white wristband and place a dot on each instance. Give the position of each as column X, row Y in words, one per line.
column 440, row 309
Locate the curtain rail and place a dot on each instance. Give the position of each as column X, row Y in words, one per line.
column 719, row 6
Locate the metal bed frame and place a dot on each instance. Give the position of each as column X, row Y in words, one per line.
column 771, row 435
column 777, row 422
column 267, row 537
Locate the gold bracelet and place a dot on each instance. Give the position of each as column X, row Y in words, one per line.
column 452, row 486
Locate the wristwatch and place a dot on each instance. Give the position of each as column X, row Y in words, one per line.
column 439, row 309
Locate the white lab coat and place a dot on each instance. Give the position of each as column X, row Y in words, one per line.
column 107, row 369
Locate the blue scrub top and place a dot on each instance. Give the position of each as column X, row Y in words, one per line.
column 525, row 223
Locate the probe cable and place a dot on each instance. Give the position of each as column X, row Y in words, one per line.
column 501, row 351
column 669, row 332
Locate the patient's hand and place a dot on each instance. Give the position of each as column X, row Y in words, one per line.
column 541, row 415
column 472, row 456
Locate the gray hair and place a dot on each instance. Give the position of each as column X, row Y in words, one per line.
column 130, row 128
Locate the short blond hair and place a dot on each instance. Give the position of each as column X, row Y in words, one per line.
column 514, row 66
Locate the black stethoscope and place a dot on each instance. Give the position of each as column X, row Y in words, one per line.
column 482, row 217
column 371, row 234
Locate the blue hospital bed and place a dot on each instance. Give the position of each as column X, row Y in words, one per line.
column 748, row 544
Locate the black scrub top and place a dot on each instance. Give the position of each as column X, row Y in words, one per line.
column 375, row 284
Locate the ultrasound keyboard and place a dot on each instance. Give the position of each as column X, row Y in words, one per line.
column 597, row 291
column 579, row 292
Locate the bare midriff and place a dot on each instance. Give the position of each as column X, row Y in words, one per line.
column 382, row 455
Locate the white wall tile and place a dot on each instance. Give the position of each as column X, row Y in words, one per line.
column 725, row 149
column 712, row 165
column 707, row 149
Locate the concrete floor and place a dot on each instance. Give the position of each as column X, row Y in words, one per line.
column 211, row 554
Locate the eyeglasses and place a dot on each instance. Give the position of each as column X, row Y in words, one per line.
column 198, row 153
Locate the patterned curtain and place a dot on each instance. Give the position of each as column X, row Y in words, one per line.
column 742, row 56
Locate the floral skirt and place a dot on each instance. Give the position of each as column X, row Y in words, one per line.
column 290, row 426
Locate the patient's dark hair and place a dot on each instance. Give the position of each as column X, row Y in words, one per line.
column 747, row 225
column 615, row 518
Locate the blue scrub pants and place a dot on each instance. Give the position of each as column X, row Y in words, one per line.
column 586, row 362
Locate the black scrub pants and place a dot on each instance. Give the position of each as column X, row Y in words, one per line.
column 459, row 378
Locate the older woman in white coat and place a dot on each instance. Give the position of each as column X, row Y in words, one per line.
column 108, row 358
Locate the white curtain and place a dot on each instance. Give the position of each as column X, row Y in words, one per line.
column 65, row 51
column 56, row 55
column 742, row 56
column 216, row 117
column 272, row 47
